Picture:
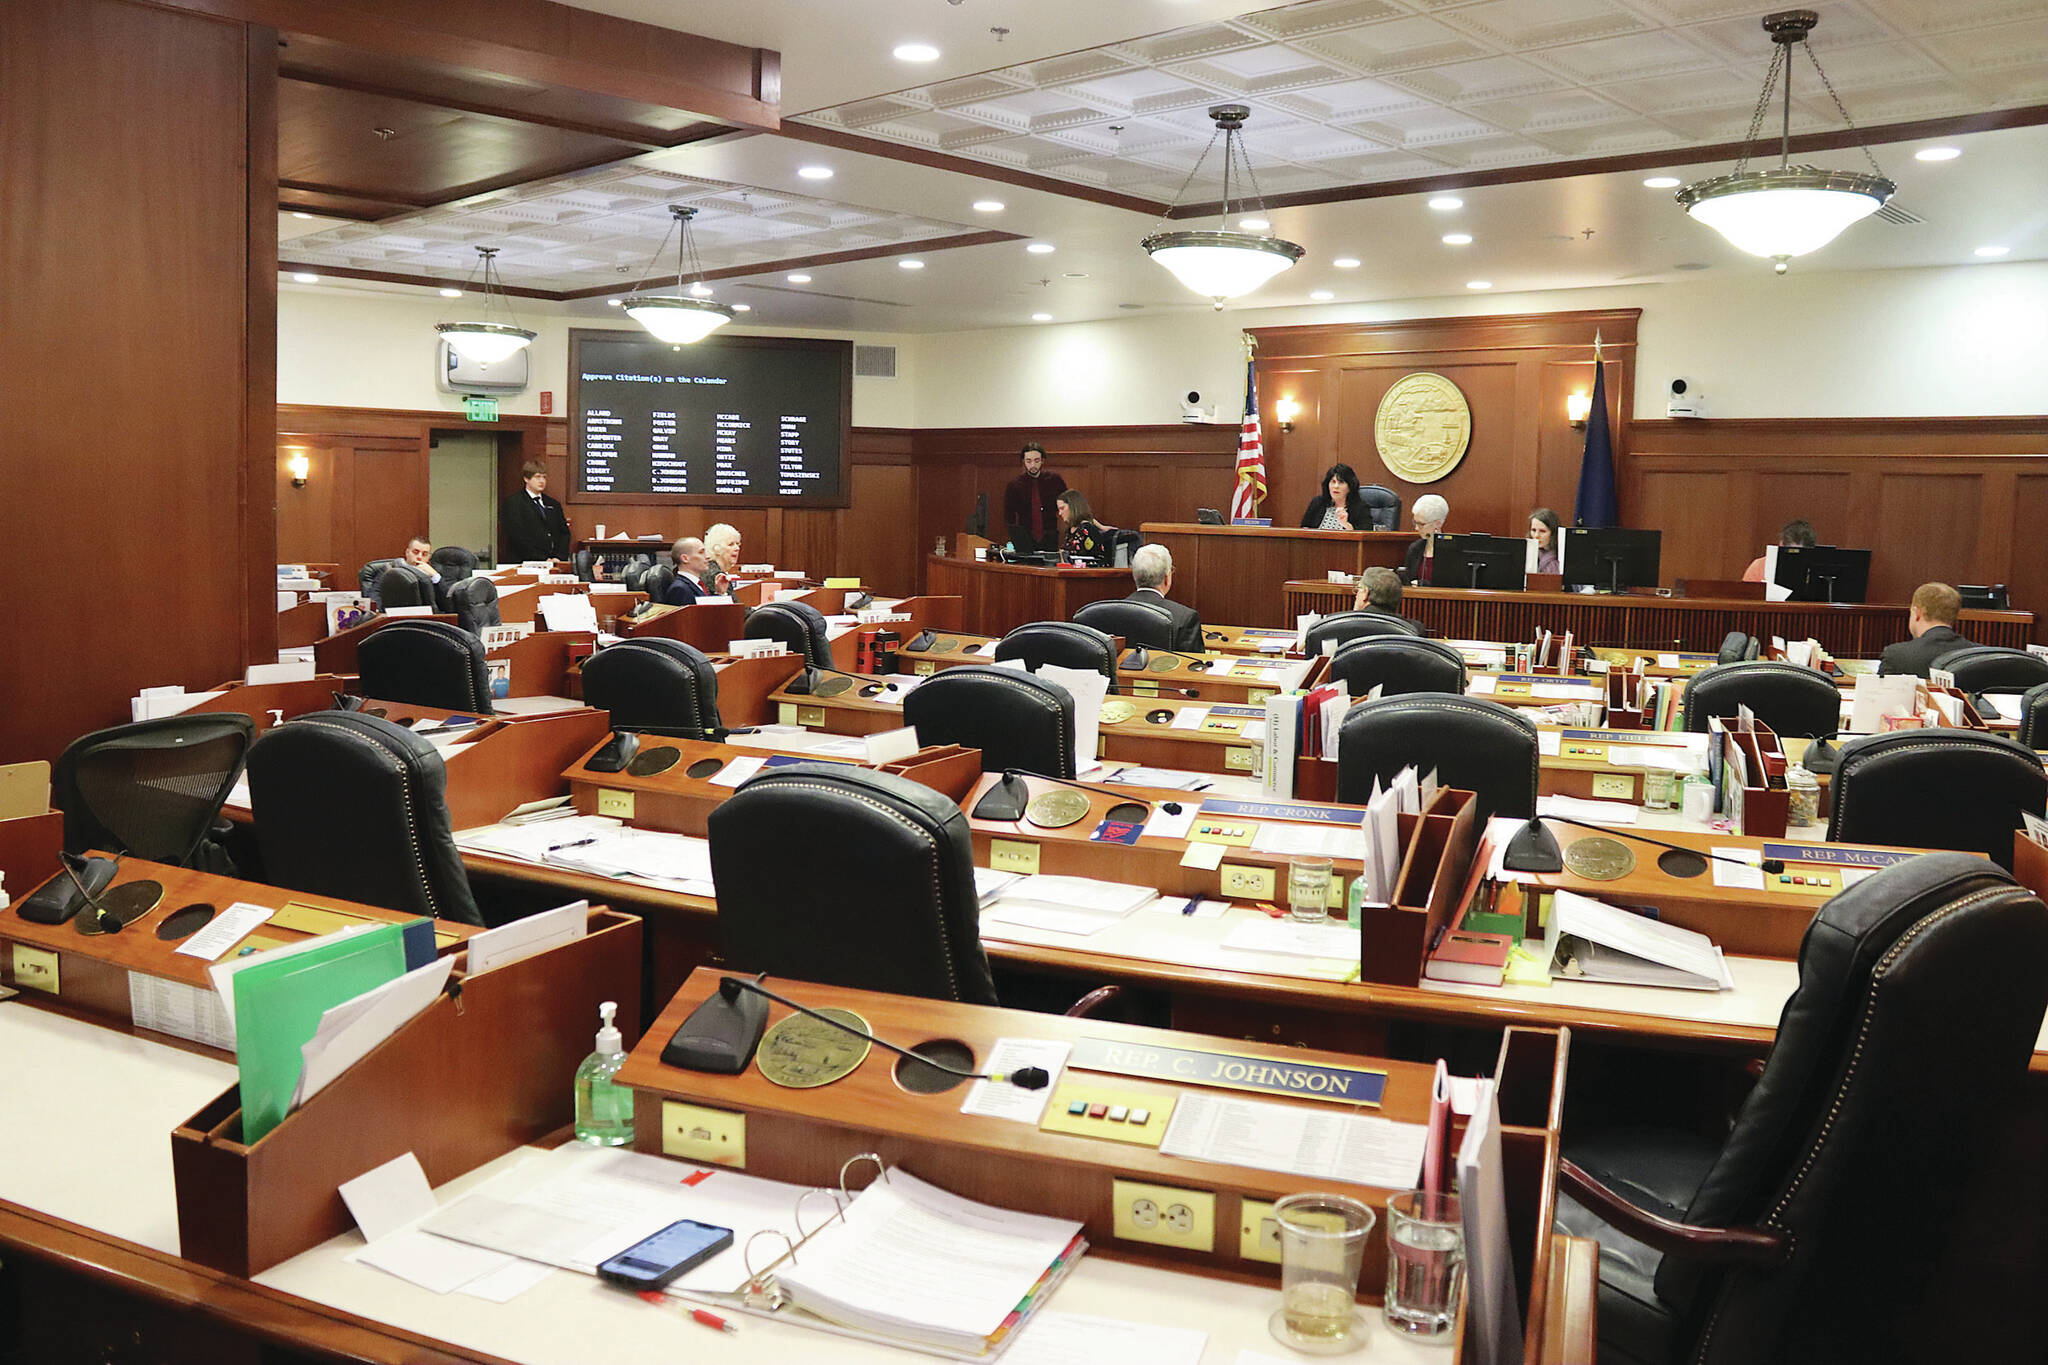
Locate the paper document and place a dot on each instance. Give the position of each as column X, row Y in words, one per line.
column 737, row 771
column 1000, row 1099
column 1549, row 742
column 193, row 1013
column 523, row 938
column 1750, row 878
column 1189, row 718
column 988, row 883
column 347, row 1032
column 1593, row 812
column 225, row 930
column 1480, row 685
column 1056, row 1338
column 1164, row 824
column 1161, row 777
column 1311, row 841
column 1295, row 938
column 1614, row 945
column 1321, row 1142
column 1493, row 1316
column 1082, row 893
column 1088, row 688
column 567, row 611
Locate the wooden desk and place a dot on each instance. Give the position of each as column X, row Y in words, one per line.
column 1656, row 624
column 997, row 598
column 1231, row 573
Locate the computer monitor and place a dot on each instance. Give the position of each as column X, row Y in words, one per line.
column 1609, row 558
column 1208, row 516
column 1984, row 596
column 1824, row 573
column 977, row 520
column 1479, row 561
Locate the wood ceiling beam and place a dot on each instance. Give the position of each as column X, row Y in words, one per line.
column 635, row 137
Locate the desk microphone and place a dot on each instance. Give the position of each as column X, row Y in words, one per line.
column 107, row 920
column 1007, row 799
column 1024, row 1078
column 806, row 682
column 1535, row 849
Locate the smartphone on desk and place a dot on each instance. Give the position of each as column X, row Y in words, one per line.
column 652, row 1263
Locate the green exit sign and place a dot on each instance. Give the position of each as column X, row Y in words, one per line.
column 479, row 409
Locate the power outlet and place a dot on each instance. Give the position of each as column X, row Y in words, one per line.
column 611, row 801
column 35, row 969
column 1258, row 1233
column 1237, row 760
column 1164, row 1215
column 1242, row 881
column 694, row 1133
column 1614, row 786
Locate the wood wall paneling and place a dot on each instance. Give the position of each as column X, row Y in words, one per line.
column 1928, row 501
column 128, row 405
column 1294, row 474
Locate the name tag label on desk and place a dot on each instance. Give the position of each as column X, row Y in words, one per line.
column 1279, row 810
column 1229, row 1071
column 1837, row 857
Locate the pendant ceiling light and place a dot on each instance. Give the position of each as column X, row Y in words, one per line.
column 492, row 339
column 1222, row 264
column 686, row 315
column 1787, row 210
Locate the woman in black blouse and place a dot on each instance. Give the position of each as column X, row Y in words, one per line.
column 1081, row 535
column 1338, row 507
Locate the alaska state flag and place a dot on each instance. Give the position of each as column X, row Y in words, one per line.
column 1597, row 505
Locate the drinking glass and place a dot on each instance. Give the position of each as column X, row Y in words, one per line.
column 1308, row 888
column 1425, row 1263
column 1322, row 1246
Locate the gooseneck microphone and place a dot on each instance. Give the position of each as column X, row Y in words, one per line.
column 1024, row 1078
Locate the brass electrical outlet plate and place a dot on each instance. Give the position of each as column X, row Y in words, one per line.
column 611, row 801
column 1013, row 855
column 35, row 969
column 1164, row 1215
column 1614, row 786
column 1258, row 1233
column 695, row 1133
column 1242, row 881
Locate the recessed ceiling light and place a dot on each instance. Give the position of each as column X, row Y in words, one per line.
column 303, row 278
column 1479, row 284
column 743, row 308
column 798, row 279
column 916, row 52
column 700, row 290
column 615, row 302
column 1346, row 263
column 1937, row 154
column 1041, row 317
column 451, row 293
column 1993, row 250
column 1076, row 275
column 910, row 265
column 1662, row 182
column 1041, row 248
column 988, row 206
column 303, row 216
column 1254, row 224
column 1321, row 295
column 1457, row 239
column 815, row 172
column 1444, row 203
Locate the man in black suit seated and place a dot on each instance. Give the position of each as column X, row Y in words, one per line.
column 532, row 524
column 1933, row 626
column 693, row 567
column 1152, row 571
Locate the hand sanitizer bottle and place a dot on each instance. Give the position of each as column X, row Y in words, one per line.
column 604, row 1109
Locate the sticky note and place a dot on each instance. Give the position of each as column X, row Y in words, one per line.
column 1205, row 857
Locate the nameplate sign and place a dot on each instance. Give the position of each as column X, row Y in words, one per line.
column 1249, row 712
column 1282, row 810
column 1670, row 738
column 785, row 760
column 1836, row 856
column 1229, row 1071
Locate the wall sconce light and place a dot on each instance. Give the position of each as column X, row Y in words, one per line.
column 1286, row 410
column 1578, row 407
column 300, row 465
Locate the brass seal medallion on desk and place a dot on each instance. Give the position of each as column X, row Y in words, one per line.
column 1056, row 810
column 1422, row 428
column 1115, row 711
column 1599, row 859
column 802, row 1053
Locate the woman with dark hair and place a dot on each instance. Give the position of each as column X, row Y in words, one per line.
column 1081, row 535
column 1543, row 535
column 1338, row 507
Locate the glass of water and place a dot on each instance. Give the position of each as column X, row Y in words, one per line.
column 1425, row 1263
column 1308, row 888
column 1322, row 1246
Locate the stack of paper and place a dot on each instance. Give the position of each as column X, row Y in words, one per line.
column 1068, row 905
column 1591, row 941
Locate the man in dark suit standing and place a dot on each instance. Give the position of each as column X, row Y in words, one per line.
column 532, row 524
column 1932, row 622
column 1031, row 512
column 693, row 569
column 1152, row 571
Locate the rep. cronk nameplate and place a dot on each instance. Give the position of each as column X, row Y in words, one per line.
column 1423, row 428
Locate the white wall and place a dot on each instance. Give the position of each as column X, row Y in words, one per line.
column 352, row 349
column 1964, row 341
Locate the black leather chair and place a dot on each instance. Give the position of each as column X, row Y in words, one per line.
column 1063, row 644
column 583, row 563
column 1936, row 789
column 884, row 899
column 1814, row 1228
column 655, row 686
column 1979, row 668
column 403, row 585
column 353, row 806
column 1398, row 664
column 1790, row 698
column 799, row 625
column 1346, row 626
column 453, row 563
column 1737, row 647
column 371, row 576
column 2034, row 718
column 1140, row 623
column 475, row 604
column 1383, row 505
column 1016, row 720
column 427, row 663
column 152, row 788
column 1479, row 745
column 655, row 580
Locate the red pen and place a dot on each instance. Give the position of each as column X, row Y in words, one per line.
column 713, row 1320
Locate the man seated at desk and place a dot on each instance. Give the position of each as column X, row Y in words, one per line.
column 693, row 569
column 1430, row 513
column 1152, row 571
column 1378, row 590
column 1932, row 623
column 418, row 553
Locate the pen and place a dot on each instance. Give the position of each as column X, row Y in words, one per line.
column 713, row 1320
column 1189, row 908
column 574, row 843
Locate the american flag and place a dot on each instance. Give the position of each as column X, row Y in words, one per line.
column 1251, row 453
